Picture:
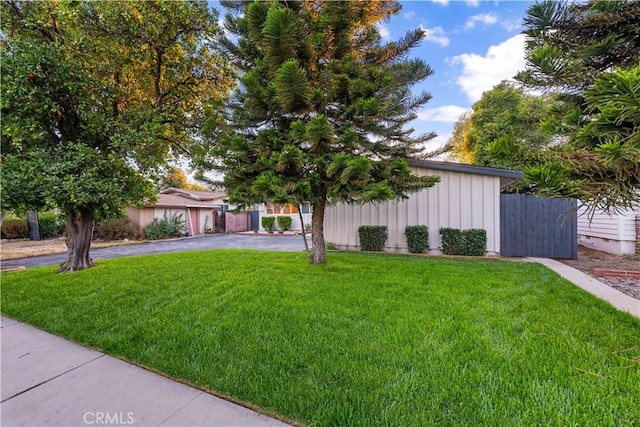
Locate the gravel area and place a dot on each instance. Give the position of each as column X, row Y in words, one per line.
column 589, row 259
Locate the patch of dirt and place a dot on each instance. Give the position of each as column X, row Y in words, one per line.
column 15, row 249
column 590, row 259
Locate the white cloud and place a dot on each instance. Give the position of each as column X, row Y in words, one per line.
column 482, row 18
column 473, row 3
column 384, row 32
column 441, row 2
column 511, row 24
column 408, row 15
column 481, row 73
column 445, row 114
column 436, row 35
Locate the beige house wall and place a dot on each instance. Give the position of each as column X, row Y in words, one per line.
column 140, row 217
column 459, row 200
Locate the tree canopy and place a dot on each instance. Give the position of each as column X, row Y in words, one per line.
column 589, row 53
column 322, row 110
column 176, row 178
column 96, row 97
column 506, row 128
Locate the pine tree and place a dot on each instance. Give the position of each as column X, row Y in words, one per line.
column 322, row 108
column 590, row 54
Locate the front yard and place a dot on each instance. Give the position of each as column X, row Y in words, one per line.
column 365, row 340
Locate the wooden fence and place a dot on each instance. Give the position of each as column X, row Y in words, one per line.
column 536, row 227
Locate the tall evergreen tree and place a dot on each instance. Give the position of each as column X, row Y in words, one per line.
column 322, row 109
column 590, row 53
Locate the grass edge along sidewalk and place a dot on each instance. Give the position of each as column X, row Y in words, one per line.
column 366, row 339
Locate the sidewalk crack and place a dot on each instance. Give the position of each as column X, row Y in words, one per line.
column 52, row 378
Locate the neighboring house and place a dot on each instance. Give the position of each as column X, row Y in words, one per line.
column 287, row 209
column 202, row 211
column 615, row 233
column 466, row 197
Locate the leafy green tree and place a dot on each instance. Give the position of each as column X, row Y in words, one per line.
column 589, row 53
column 96, row 96
column 322, row 108
column 505, row 129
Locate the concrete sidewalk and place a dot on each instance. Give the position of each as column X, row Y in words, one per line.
column 48, row 381
column 613, row 296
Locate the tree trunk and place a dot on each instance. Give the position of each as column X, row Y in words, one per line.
column 317, row 233
column 32, row 225
column 80, row 230
column 304, row 233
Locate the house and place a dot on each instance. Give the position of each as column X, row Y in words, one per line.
column 616, row 233
column 287, row 209
column 202, row 211
column 466, row 197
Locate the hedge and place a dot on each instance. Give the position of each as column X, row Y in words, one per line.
column 372, row 237
column 49, row 225
column 471, row 242
column 417, row 238
column 14, row 229
column 284, row 222
column 268, row 223
column 118, row 229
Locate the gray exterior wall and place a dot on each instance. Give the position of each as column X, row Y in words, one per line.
column 460, row 200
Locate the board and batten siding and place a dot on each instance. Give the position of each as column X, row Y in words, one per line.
column 459, row 200
column 614, row 233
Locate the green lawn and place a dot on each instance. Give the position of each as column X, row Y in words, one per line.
column 365, row 340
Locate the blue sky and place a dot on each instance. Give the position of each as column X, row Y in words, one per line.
column 472, row 46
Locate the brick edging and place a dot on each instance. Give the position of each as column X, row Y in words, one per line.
column 616, row 273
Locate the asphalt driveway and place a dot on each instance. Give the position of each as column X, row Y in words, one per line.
column 213, row 241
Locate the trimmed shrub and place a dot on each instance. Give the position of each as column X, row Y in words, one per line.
column 372, row 237
column 268, row 223
column 117, row 229
column 49, row 225
column 471, row 242
column 284, row 222
column 475, row 241
column 165, row 228
column 451, row 241
column 14, row 229
column 417, row 238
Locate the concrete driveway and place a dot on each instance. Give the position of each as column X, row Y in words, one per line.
column 214, row 241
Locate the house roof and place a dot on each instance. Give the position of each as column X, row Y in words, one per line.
column 507, row 176
column 179, row 201
column 194, row 194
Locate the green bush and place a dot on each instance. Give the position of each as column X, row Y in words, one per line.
column 475, row 242
column 165, row 228
column 49, row 225
column 471, row 242
column 117, row 229
column 417, row 238
column 268, row 223
column 284, row 222
column 14, row 229
column 451, row 241
column 372, row 237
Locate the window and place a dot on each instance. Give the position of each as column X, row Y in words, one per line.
column 305, row 208
column 286, row 209
column 289, row 209
column 272, row 209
